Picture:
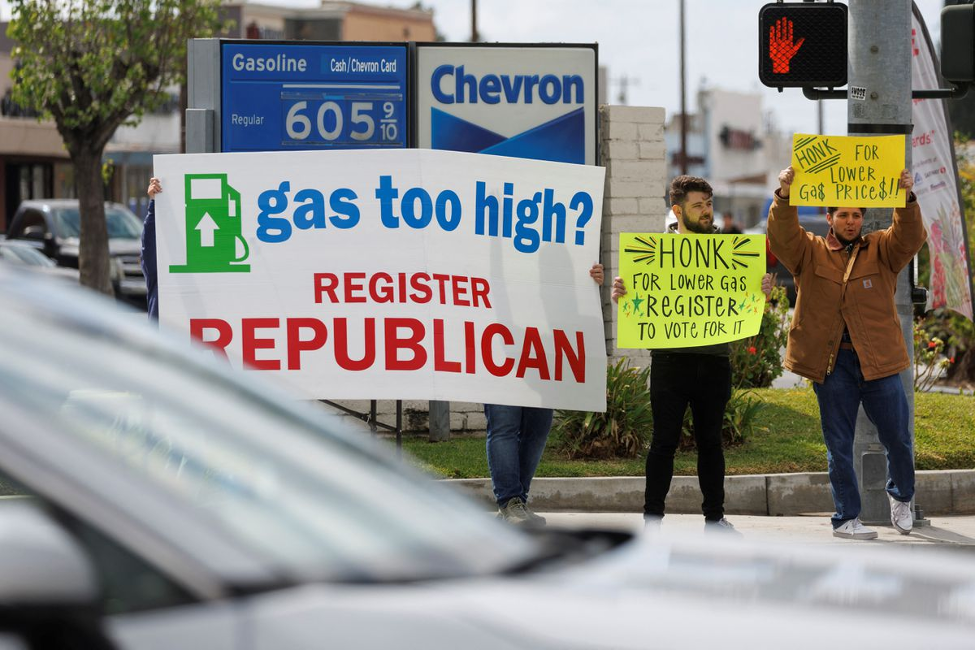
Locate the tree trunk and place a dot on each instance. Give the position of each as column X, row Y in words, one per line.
column 93, row 250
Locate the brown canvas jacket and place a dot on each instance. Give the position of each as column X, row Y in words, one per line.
column 835, row 288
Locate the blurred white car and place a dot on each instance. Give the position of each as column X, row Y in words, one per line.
column 161, row 500
column 28, row 257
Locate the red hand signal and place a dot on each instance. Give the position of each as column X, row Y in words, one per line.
column 782, row 46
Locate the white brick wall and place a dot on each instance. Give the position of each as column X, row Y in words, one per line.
column 633, row 152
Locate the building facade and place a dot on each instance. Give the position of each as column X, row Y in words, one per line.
column 33, row 160
column 731, row 143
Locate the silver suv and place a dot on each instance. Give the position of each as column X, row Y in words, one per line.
column 53, row 226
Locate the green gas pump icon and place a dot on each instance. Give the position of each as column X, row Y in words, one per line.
column 213, row 227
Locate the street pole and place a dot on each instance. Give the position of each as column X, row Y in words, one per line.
column 880, row 103
column 681, row 30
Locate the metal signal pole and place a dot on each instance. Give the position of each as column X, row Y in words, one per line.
column 880, row 103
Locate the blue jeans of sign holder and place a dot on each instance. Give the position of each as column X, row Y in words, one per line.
column 514, row 443
column 887, row 408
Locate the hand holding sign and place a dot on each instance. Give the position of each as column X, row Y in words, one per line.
column 906, row 181
column 786, row 178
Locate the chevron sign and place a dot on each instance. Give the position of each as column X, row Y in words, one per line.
column 537, row 102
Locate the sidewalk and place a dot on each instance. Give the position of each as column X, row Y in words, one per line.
column 955, row 533
column 938, row 492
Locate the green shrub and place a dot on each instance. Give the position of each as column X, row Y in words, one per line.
column 928, row 357
column 623, row 431
column 739, row 421
column 756, row 361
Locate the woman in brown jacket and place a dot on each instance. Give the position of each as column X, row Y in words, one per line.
column 846, row 338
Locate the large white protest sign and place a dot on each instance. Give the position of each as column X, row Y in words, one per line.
column 403, row 274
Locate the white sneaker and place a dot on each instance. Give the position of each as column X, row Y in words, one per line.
column 853, row 529
column 653, row 524
column 902, row 516
column 723, row 527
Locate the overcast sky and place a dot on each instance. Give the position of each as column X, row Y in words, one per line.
column 638, row 40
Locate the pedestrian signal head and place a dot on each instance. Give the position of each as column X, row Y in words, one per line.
column 804, row 45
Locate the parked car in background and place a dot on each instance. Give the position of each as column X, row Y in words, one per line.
column 812, row 220
column 53, row 227
column 25, row 255
column 168, row 501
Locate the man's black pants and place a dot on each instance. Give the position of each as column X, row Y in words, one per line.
column 677, row 381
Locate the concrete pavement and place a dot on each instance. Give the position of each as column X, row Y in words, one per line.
column 946, row 533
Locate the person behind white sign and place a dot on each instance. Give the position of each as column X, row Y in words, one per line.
column 846, row 338
column 514, row 442
column 148, row 257
column 700, row 377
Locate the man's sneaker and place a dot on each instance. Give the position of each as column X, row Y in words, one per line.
column 653, row 524
column 516, row 512
column 534, row 519
column 853, row 529
column 722, row 527
column 902, row 516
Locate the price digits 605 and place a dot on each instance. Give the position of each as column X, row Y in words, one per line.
column 328, row 121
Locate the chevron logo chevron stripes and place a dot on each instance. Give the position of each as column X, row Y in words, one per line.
column 559, row 140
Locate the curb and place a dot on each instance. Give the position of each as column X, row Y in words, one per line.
column 938, row 492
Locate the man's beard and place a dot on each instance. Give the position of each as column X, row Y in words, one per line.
column 694, row 225
column 846, row 242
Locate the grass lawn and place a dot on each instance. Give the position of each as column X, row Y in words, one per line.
column 787, row 439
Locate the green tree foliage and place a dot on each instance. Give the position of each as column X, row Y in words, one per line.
column 91, row 66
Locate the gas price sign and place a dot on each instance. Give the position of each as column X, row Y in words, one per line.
column 277, row 96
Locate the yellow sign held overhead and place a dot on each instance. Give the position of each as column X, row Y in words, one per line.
column 843, row 171
column 689, row 290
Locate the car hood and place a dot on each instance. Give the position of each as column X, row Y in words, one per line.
column 117, row 246
column 646, row 594
column 60, row 272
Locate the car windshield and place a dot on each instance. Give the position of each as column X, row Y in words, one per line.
column 121, row 223
column 289, row 482
column 24, row 255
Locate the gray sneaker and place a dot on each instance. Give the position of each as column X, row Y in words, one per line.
column 536, row 520
column 515, row 512
column 722, row 527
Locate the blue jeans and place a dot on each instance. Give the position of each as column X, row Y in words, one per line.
column 514, row 442
column 887, row 408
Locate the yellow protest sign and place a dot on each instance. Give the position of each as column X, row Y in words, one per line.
column 852, row 172
column 689, row 290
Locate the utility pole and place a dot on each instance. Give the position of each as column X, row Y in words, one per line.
column 880, row 103
column 681, row 66
column 624, row 82
column 474, row 38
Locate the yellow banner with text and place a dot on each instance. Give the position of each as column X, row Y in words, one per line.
column 689, row 290
column 844, row 171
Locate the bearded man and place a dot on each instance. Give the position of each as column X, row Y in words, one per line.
column 697, row 377
column 846, row 338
